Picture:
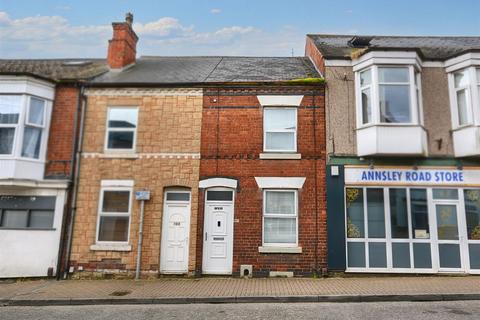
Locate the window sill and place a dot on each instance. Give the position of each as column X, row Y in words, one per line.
column 112, row 155
column 267, row 249
column 110, row 247
column 280, row 156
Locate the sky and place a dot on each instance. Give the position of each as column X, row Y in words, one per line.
column 82, row 28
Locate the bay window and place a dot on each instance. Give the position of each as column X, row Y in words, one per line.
column 464, row 88
column 389, row 107
column 22, row 126
column 388, row 94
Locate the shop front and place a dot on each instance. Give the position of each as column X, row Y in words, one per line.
column 412, row 220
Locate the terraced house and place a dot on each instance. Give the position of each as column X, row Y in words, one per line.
column 403, row 176
column 187, row 133
column 39, row 108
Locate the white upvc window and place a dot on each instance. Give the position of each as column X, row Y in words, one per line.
column 280, row 218
column 23, row 122
column 121, row 129
column 465, row 96
column 388, row 94
column 114, row 213
column 279, row 129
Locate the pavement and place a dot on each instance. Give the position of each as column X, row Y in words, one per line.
column 236, row 290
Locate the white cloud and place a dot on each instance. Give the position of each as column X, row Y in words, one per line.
column 54, row 36
column 215, row 11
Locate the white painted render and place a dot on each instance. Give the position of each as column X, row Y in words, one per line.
column 30, row 253
column 278, row 101
column 218, row 182
column 280, row 182
column 392, row 140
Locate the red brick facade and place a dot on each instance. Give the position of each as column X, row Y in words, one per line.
column 232, row 139
column 61, row 136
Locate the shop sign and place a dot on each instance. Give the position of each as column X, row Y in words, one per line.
column 420, row 176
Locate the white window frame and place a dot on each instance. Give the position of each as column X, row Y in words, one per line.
column 472, row 93
column 108, row 130
column 277, row 215
column 284, row 130
column 363, row 88
column 23, row 123
column 113, row 185
column 414, row 84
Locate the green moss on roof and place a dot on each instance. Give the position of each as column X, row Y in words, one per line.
column 307, row 81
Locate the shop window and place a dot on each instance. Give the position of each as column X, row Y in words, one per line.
column 121, row 129
column 419, row 211
column 472, row 212
column 114, row 215
column 369, row 211
column 399, row 213
column 280, row 212
column 280, row 129
column 355, row 212
column 376, row 213
column 27, row 212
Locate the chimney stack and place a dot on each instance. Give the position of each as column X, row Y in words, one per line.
column 122, row 48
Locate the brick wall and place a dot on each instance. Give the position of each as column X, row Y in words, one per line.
column 61, row 139
column 232, row 139
column 311, row 51
column 168, row 146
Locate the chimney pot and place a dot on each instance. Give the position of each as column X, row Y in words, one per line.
column 129, row 18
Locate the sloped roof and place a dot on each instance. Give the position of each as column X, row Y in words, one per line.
column 429, row 48
column 55, row 69
column 205, row 70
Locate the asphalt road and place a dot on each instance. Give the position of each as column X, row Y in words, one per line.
column 299, row 311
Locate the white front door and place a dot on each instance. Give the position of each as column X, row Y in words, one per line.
column 218, row 232
column 175, row 232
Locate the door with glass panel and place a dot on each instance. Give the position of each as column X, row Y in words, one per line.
column 449, row 230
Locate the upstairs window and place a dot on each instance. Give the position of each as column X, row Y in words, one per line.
column 465, row 95
column 280, row 129
column 121, row 129
column 22, row 126
column 388, row 95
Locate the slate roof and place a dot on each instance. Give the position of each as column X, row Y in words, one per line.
column 55, row 69
column 429, row 48
column 209, row 70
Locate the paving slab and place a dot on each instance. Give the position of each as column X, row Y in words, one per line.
column 236, row 290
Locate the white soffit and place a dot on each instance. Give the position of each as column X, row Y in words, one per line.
column 267, row 101
column 463, row 61
column 338, row 63
column 280, row 182
column 387, row 57
column 218, row 182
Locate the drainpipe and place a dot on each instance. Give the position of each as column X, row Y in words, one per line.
column 73, row 204
column 140, row 240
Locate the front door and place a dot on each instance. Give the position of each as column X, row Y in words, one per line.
column 218, row 232
column 449, row 230
column 175, row 232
